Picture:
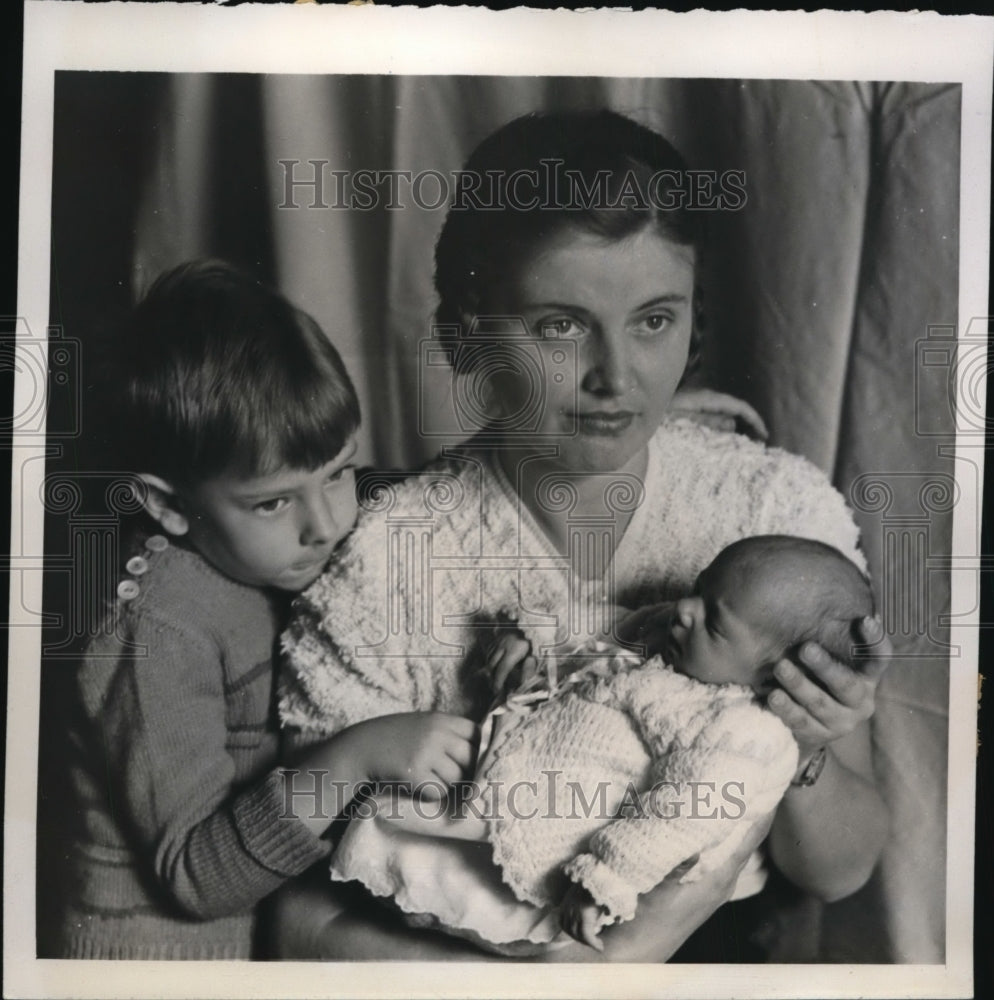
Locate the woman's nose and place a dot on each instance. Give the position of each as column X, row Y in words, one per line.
column 609, row 370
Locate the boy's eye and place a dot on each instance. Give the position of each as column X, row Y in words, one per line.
column 340, row 474
column 271, row 506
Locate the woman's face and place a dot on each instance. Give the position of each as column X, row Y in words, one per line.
column 609, row 322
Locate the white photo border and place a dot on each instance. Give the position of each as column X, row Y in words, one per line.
column 340, row 40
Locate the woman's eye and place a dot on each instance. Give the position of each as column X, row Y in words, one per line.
column 273, row 506
column 655, row 323
column 561, row 326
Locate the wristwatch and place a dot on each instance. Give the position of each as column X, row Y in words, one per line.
column 813, row 768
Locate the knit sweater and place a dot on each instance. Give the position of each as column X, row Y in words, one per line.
column 395, row 622
column 174, row 772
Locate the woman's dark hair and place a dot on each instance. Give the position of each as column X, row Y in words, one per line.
column 216, row 372
column 597, row 171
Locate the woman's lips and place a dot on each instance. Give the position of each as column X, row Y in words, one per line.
column 609, row 423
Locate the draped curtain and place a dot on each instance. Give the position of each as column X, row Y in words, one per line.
column 817, row 294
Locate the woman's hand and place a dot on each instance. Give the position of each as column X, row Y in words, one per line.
column 834, row 699
column 827, row 837
column 719, row 411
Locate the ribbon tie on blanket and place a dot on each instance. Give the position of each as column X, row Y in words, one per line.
column 550, row 678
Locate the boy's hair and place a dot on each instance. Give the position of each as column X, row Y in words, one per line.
column 596, row 171
column 217, row 373
column 810, row 591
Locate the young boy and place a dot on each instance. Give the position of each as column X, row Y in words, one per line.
column 238, row 416
column 677, row 754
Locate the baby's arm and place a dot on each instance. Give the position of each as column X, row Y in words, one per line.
column 685, row 811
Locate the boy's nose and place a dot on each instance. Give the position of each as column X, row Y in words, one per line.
column 320, row 525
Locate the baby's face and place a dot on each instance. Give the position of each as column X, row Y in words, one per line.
column 715, row 638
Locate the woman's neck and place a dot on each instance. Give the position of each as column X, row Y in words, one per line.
column 564, row 501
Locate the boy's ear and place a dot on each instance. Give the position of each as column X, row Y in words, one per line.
column 162, row 503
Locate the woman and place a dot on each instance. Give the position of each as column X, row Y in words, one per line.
column 568, row 297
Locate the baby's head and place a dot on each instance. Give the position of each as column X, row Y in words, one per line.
column 761, row 598
column 237, row 413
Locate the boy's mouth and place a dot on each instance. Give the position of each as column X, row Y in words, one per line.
column 308, row 564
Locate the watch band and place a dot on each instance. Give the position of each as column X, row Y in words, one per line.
column 815, row 765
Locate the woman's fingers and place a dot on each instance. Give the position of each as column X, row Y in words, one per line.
column 876, row 658
column 728, row 873
column 849, row 688
column 805, row 727
column 840, row 689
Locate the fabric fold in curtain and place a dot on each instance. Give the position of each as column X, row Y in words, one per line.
column 817, row 294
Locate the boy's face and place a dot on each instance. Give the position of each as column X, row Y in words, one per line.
column 276, row 530
column 715, row 637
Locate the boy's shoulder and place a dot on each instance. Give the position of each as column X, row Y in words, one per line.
column 167, row 585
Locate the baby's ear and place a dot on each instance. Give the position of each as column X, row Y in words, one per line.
column 162, row 503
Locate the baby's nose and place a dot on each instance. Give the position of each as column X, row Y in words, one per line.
column 686, row 610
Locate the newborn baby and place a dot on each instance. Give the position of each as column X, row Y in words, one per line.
column 599, row 776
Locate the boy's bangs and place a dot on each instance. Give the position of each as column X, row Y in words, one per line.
column 299, row 426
